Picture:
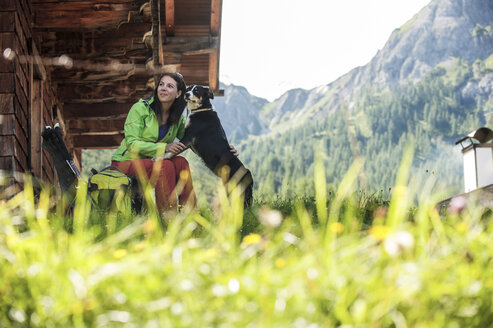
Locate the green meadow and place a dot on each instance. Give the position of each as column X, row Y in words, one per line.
column 344, row 258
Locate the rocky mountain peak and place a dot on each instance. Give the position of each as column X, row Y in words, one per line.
column 441, row 30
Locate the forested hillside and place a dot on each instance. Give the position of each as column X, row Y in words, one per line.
column 376, row 125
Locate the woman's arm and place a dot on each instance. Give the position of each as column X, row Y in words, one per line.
column 134, row 128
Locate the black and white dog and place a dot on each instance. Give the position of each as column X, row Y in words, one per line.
column 205, row 135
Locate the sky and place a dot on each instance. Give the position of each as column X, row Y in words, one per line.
column 272, row 46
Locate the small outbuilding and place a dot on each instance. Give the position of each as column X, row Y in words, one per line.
column 477, row 151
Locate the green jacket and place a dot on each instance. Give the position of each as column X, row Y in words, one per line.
column 141, row 133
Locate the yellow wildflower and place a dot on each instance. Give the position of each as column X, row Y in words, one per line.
column 252, row 239
column 211, row 252
column 280, row 262
column 461, row 227
column 139, row 247
column 149, row 226
column 119, row 253
column 379, row 232
column 336, row 227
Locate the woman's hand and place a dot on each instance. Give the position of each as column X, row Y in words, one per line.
column 233, row 150
column 175, row 148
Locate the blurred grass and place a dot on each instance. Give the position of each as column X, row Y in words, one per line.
column 342, row 258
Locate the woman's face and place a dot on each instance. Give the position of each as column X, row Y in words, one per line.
column 167, row 90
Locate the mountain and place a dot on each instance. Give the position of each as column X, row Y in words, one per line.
column 432, row 82
column 441, row 32
column 237, row 106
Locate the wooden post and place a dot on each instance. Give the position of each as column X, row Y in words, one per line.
column 156, row 40
column 36, row 123
column 216, row 8
column 170, row 17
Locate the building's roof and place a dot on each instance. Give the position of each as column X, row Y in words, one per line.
column 101, row 54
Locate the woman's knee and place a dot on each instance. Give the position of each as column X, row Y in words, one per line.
column 180, row 163
column 166, row 166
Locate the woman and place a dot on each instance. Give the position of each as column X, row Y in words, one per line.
column 150, row 130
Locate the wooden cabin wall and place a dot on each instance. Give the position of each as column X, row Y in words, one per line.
column 26, row 97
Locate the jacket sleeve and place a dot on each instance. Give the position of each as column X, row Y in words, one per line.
column 134, row 127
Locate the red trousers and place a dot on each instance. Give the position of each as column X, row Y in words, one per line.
column 171, row 178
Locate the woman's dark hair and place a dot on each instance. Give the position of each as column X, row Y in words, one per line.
column 178, row 105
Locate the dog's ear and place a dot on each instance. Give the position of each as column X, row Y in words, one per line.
column 210, row 93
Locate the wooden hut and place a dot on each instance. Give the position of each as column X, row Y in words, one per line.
column 83, row 63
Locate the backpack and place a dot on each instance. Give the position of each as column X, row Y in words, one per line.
column 110, row 190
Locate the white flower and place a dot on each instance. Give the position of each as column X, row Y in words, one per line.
column 398, row 242
column 270, row 218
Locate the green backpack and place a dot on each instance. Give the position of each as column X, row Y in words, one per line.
column 110, row 190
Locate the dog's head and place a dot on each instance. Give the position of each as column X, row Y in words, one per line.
column 198, row 97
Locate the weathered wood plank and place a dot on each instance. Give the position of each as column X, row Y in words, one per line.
column 47, row 173
column 77, row 157
column 216, row 8
column 21, row 77
column 22, row 97
column 96, row 126
column 7, row 83
column 23, row 33
column 38, row 67
column 23, row 22
column 7, row 124
column 192, row 12
column 25, row 7
column 36, row 118
column 7, row 103
column 75, row 15
column 98, row 142
column 10, row 127
column 20, row 115
column 7, row 21
column 104, row 110
column 213, row 69
column 93, row 44
column 9, row 5
column 9, row 146
column 127, row 89
column 169, row 17
column 7, row 163
column 192, row 30
column 6, row 41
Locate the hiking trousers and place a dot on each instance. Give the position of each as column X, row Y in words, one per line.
column 171, row 179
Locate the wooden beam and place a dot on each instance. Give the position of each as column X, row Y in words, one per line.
column 36, row 124
column 216, row 12
column 87, row 51
column 109, row 91
column 96, row 126
column 76, row 111
column 206, row 45
column 98, row 141
column 82, row 14
column 85, row 45
column 156, row 39
column 170, row 17
column 161, row 38
column 38, row 67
